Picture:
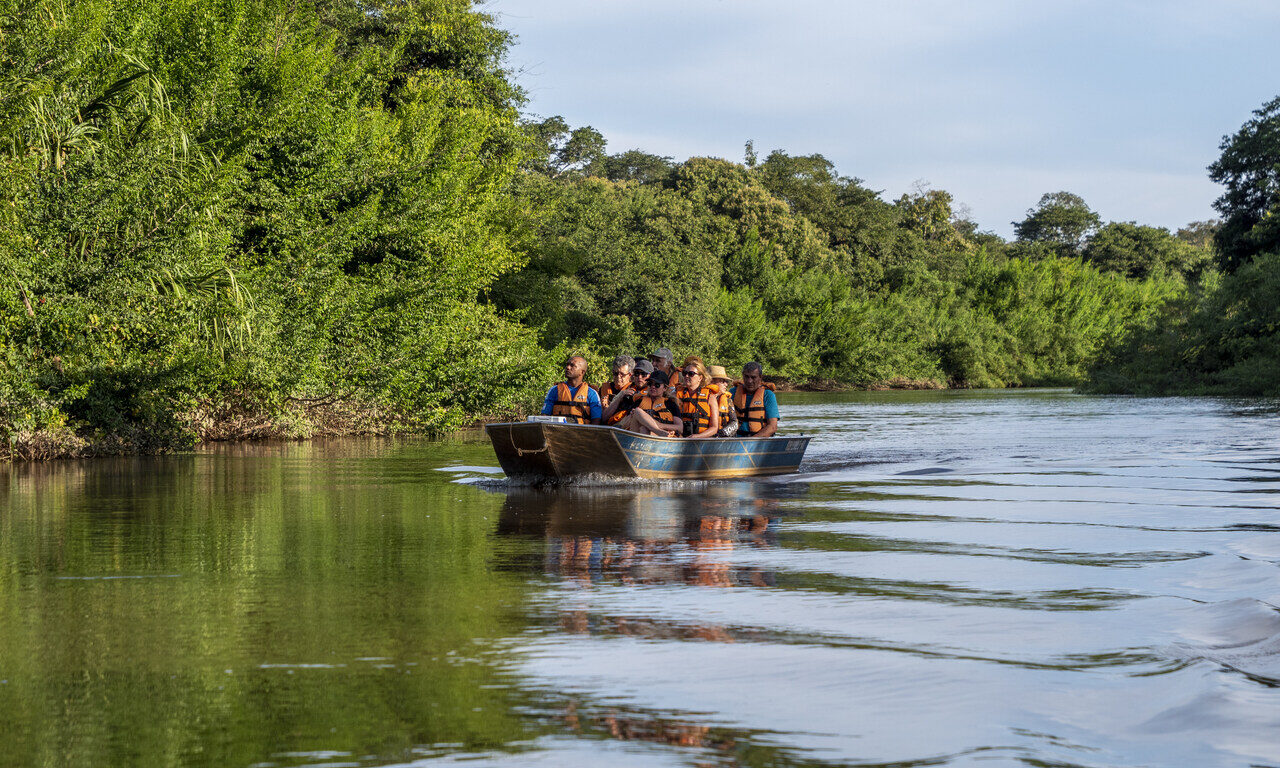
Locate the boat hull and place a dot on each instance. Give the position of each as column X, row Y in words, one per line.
column 558, row 451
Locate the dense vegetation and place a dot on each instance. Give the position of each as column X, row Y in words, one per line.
column 1223, row 337
column 252, row 218
column 249, row 217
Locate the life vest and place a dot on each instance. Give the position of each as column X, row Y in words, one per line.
column 751, row 413
column 724, row 401
column 606, row 396
column 695, row 408
column 573, row 404
column 657, row 408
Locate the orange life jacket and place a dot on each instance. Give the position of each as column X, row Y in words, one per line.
column 657, row 408
column 695, row 408
column 751, row 413
column 724, row 400
column 575, row 404
column 606, row 396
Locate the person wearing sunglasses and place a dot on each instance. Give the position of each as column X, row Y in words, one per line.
column 622, row 403
column 610, row 390
column 656, row 413
column 699, row 401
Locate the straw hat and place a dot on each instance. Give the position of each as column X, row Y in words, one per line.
column 717, row 372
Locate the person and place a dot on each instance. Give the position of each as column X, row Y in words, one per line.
column 621, row 382
column 728, row 419
column 699, row 404
column 573, row 398
column 664, row 361
column 657, row 413
column 621, row 404
column 754, row 403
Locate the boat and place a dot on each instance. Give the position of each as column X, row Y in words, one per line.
column 542, row 448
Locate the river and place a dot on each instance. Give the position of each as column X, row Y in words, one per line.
column 953, row 578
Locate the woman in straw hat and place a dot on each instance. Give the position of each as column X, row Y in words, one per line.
column 721, row 381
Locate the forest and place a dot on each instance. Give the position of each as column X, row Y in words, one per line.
column 253, row 218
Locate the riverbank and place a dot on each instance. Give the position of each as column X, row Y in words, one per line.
column 299, row 419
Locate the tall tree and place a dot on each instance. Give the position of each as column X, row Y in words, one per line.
column 1061, row 220
column 1250, row 169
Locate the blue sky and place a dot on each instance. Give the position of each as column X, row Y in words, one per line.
column 998, row 102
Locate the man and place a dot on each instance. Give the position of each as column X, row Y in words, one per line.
column 657, row 413
column 620, row 383
column 617, row 407
column 754, row 403
column 573, row 398
column 664, row 361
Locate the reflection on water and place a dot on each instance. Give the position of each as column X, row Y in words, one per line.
column 636, row 535
column 954, row 578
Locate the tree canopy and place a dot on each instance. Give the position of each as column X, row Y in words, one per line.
column 1249, row 168
column 1061, row 220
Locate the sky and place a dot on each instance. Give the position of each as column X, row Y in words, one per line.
column 998, row 102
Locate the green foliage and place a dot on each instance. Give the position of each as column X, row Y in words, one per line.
column 1223, row 338
column 791, row 264
column 1200, row 234
column 254, row 202
column 557, row 151
column 1062, row 221
column 263, row 209
column 1249, row 167
column 632, row 165
column 1138, row 251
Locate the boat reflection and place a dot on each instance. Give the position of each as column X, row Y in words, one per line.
column 652, row 535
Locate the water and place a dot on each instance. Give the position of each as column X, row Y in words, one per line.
column 983, row 578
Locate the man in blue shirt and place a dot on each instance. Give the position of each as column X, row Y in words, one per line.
column 755, row 404
column 573, row 398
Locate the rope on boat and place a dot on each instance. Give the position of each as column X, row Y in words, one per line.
column 522, row 451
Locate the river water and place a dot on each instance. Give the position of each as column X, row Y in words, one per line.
column 957, row 578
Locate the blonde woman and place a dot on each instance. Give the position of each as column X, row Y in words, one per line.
column 699, row 404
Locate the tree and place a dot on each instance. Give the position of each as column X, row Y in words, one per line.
column 1139, row 251
column 556, row 151
column 632, row 165
column 858, row 224
column 928, row 212
column 1200, row 234
column 1250, row 169
column 1061, row 220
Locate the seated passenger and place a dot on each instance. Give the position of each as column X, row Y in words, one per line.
column 573, row 398
column 728, row 419
column 664, row 361
column 656, row 413
column 699, row 402
column 621, row 382
column 621, row 404
column 754, row 403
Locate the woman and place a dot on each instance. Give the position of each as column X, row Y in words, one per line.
column 728, row 418
column 699, row 401
column 656, row 413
